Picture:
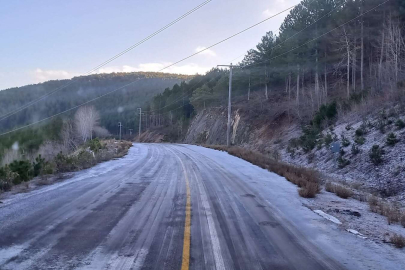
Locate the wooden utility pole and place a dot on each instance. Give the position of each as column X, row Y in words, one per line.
column 120, row 125
column 140, row 121
column 228, row 127
column 249, row 87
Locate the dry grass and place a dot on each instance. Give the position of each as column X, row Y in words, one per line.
column 339, row 190
column 343, row 192
column 403, row 219
column 308, row 180
column 309, row 191
column 330, row 187
column 398, row 240
column 390, row 211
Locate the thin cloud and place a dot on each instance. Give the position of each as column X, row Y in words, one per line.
column 40, row 75
column 187, row 69
column 206, row 52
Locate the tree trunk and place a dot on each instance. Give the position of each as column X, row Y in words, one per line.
column 348, row 63
column 362, row 50
column 298, row 84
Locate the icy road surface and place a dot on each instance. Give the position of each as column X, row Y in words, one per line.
column 176, row 207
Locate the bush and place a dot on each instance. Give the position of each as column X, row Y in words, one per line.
column 37, row 165
column 342, row 162
column 326, row 112
column 355, row 150
column 328, row 139
column 64, row 163
column 330, row 187
column 400, row 124
column 343, row 192
column 403, row 219
column 376, row 154
column 360, row 132
column 345, row 141
column 398, row 240
column 23, row 170
column 95, row 145
column 360, row 140
column 392, row 139
column 392, row 213
column 309, row 190
column 6, row 178
column 85, row 159
column 309, row 138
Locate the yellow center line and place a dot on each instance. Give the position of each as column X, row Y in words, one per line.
column 187, row 228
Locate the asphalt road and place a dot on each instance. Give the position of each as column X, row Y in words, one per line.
column 160, row 207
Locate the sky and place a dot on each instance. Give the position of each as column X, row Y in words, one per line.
column 48, row 39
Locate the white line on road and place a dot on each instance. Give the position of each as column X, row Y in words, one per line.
column 219, row 262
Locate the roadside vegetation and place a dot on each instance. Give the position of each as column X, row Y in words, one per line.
column 80, row 144
column 307, row 180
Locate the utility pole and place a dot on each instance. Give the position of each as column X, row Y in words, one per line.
column 249, row 87
column 140, row 121
column 120, row 125
column 228, row 127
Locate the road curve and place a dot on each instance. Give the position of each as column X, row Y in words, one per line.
column 160, row 207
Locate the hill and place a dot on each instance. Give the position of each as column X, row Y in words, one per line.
column 118, row 106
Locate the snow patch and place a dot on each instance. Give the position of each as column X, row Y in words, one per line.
column 356, row 233
column 328, row 217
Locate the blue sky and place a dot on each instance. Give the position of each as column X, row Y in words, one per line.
column 49, row 39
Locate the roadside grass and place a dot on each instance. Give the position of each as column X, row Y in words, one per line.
column 42, row 170
column 390, row 211
column 398, row 240
column 306, row 179
column 339, row 190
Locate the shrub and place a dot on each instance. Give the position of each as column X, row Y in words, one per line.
column 400, row 124
column 309, row 190
column 381, row 126
column 342, row 162
column 398, row 240
column 345, row 141
column 330, row 187
column 95, row 145
column 355, row 150
column 328, row 139
column 6, row 178
column 23, row 170
column 37, row 165
column 374, row 204
column 343, row 192
column 403, row 219
column 360, row 132
column 326, row 112
column 309, row 138
column 360, row 140
column 85, row 159
column 64, row 163
column 392, row 213
column 392, row 139
column 376, row 154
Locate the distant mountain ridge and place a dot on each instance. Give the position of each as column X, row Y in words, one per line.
column 118, row 106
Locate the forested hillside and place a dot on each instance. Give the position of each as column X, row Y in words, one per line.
column 348, row 51
column 116, row 107
column 119, row 106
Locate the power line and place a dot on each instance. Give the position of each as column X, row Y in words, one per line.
column 7, row 115
column 185, row 58
column 305, row 42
